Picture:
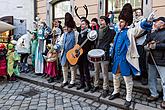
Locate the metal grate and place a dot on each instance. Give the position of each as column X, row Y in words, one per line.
column 30, row 93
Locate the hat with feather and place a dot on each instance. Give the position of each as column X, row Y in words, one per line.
column 126, row 14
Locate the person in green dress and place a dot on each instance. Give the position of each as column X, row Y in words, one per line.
column 34, row 43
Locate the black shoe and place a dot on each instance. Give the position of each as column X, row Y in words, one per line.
column 87, row 88
column 50, row 80
column 64, row 84
column 43, row 76
column 127, row 103
column 39, row 74
column 71, row 85
column 105, row 93
column 80, row 86
column 114, row 96
column 152, row 98
column 144, row 81
column 94, row 89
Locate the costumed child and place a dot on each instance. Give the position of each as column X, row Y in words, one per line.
column 12, row 61
column 3, row 68
column 51, row 64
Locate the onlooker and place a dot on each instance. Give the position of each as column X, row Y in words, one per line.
column 139, row 44
column 155, row 43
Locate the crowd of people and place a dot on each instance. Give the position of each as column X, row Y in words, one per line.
column 137, row 52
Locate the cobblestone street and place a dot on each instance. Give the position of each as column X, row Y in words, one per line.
column 25, row 96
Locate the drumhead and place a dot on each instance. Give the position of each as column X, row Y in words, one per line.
column 96, row 53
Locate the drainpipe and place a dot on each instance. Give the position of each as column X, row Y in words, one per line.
column 35, row 9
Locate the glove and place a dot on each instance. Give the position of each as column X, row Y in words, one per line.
column 152, row 46
column 146, row 48
column 151, row 16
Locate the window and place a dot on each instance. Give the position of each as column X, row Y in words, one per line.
column 116, row 5
column 59, row 10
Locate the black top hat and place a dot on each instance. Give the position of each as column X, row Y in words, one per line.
column 126, row 13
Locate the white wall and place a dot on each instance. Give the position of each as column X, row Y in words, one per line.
column 11, row 8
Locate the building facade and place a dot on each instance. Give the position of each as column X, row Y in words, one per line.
column 22, row 12
column 51, row 9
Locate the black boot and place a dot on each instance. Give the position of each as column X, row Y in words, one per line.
column 127, row 104
column 87, row 88
column 94, row 89
column 50, row 80
column 105, row 93
column 80, row 86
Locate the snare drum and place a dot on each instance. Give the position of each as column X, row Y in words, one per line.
column 96, row 55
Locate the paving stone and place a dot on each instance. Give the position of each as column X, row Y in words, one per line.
column 67, row 105
column 152, row 104
column 59, row 97
column 51, row 108
column 103, row 107
column 68, row 108
column 42, row 104
column 59, row 102
column 77, row 107
column 50, row 105
column 24, row 105
column 86, row 108
column 64, row 94
column 82, row 99
column 50, row 101
column 145, row 102
column 66, row 100
column 9, row 102
column 137, row 101
column 69, row 95
column 41, row 108
column 32, row 107
column 59, row 107
column 112, row 108
column 74, row 103
column 54, row 91
column 83, row 104
column 75, row 97
column 89, row 101
column 96, row 104
column 17, row 103
column 143, row 107
column 20, row 98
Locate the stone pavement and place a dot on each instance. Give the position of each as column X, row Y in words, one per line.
column 26, row 96
column 139, row 94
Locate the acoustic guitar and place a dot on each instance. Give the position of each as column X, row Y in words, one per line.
column 73, row 54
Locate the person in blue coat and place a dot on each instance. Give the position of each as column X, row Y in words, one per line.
column 67, row 42
column 125, row 55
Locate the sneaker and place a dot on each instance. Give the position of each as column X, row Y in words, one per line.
column 105, row 93
column 152, row 98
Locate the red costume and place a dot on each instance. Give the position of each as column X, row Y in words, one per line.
column 3, row 68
